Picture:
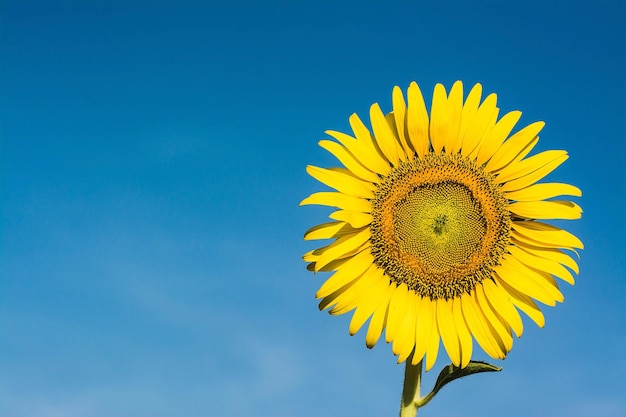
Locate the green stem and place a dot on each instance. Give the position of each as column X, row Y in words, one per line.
column 411, row 388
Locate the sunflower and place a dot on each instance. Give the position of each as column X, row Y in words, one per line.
column 439, row 231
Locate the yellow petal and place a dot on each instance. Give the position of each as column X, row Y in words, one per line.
column 385, row 138
column 341, row 246
column 513, row 146
column 464, row 335
column 341, row 182
column 331, row 299
column 519, row 277
column 404, row 341
column 310, row 256
column 364, row 136
column 391, row 121
column 433, row 349
column 350, row 270
column 424, row 325
column 399, row 115
column 332, row 266
column 501, row 333
column 543, row 191
column 470, row 108
column 525, row 150
column 523, row 302
column 477, row 324
column 555, row 209
column 550, row 282
column 549, row 253
column 328, row 231
column 547, row 235
column 530, row 259
column 447, row 330
column 417, row 120
column 351, row 298
column 482, row 123
column 455, row 110
column 526, row 166
column 315, row 254
column 439, row 119
column 397, row 310
column 371, row 300
column 353, row 218
column 379, row 318
column 495, row 137
column 369, row 158
column 339, row 200
column 349, row 161
column 501, row 302
column 517, row 237
column 527, row 281
column 526, row 180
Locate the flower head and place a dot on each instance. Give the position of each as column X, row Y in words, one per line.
column 439, row 232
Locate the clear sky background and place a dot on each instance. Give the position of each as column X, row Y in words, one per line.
column 152, row 161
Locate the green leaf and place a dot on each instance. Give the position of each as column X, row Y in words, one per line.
column 451, row 372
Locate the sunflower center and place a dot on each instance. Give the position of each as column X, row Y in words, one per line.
column 439, row 225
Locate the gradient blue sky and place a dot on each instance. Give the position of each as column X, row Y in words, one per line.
column 152, row 160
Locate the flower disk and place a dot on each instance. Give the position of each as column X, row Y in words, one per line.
column 439, row 225
column 438, row 231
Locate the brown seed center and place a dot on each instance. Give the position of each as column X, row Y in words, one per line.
column 439, row 225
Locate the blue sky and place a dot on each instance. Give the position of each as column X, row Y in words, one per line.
column 152, row 160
